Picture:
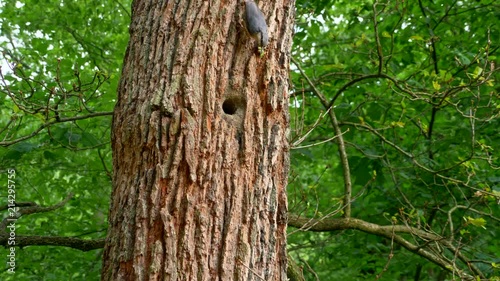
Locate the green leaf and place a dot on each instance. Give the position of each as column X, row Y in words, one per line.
column 477, row 72
column 417, row 38
column 436, row 85
column 479, row 222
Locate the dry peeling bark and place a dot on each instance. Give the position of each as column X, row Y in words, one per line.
column 199, row 145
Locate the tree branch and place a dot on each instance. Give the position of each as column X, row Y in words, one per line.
column 70, row 242
column 340, row 140
column 31, row 208
column 25, row 240
column 48, row 124
column 388, row 231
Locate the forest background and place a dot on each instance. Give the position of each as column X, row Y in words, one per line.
column 394, row 114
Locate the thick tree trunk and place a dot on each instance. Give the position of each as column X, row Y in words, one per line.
column 199, row 145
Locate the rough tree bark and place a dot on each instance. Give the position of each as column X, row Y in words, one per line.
column 199, row 145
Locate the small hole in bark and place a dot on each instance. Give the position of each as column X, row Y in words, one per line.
column 229, row 106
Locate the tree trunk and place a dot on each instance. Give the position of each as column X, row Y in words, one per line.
column 199, row 145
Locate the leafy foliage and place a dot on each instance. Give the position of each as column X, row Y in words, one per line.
column 415, row 95
column 60, row 70
column 414, row 87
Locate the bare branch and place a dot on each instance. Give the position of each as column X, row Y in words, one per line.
column 50, row 123
column 388, row 231
column 28, row 208
column 340, row 141
column 71, row 242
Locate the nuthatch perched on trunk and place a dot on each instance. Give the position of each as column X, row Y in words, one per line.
column 256, row 24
